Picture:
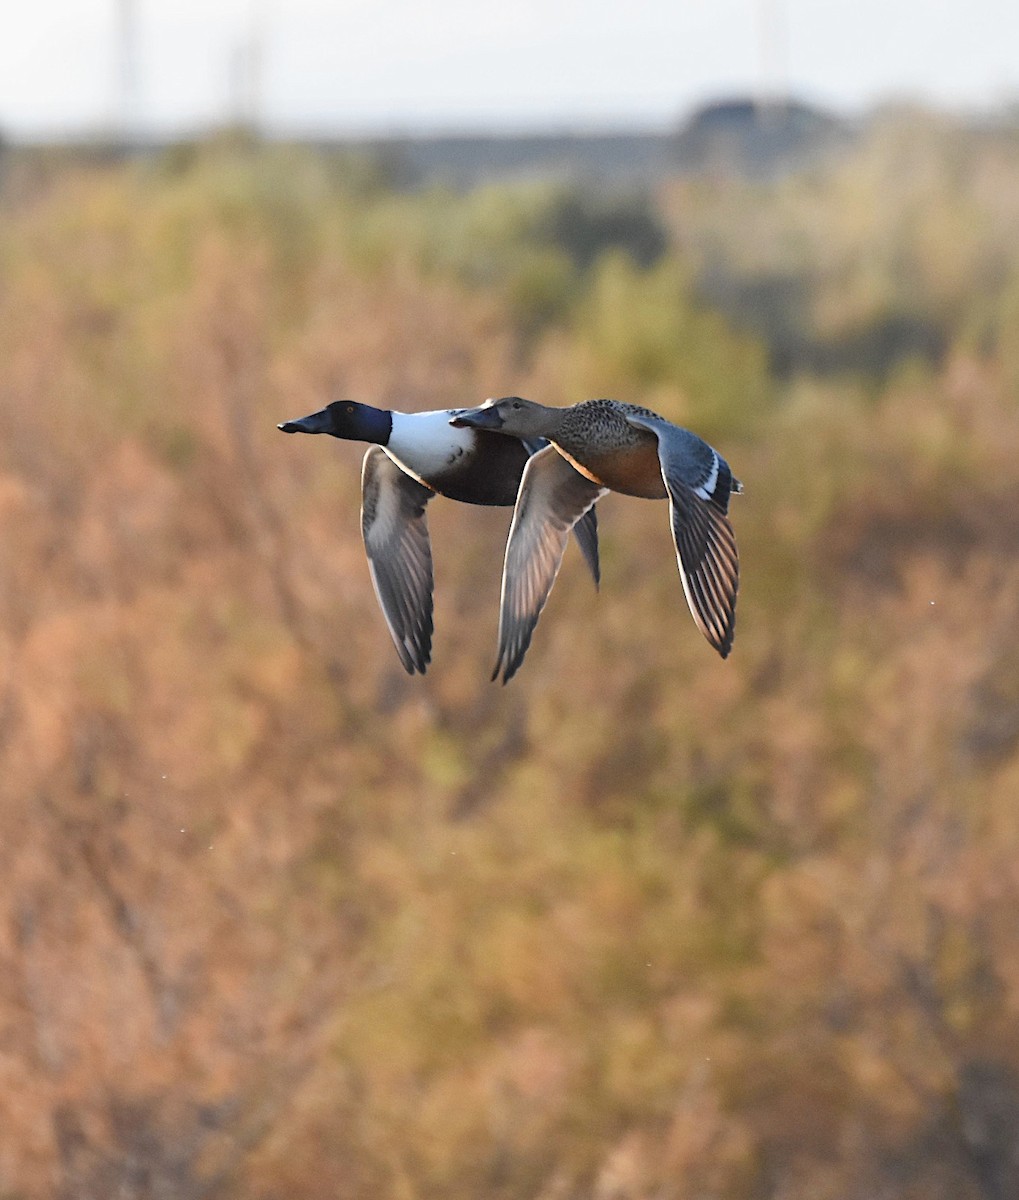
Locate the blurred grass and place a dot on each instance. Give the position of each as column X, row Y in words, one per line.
column 279, row 920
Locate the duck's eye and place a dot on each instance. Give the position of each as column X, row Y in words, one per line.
column 516, row 403
column 350, row 408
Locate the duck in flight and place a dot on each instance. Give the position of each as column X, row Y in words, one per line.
column 413, row 457
column 599, row 446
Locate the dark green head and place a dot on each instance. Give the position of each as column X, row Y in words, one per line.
column 348, row 420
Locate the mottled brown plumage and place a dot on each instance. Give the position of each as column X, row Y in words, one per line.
column 623, row 448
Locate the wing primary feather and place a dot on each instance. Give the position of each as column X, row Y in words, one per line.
column 699, row 481
column 552, row 499
column 399, row 552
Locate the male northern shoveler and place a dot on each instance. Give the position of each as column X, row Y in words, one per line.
column 415, row 456
column 599, row 446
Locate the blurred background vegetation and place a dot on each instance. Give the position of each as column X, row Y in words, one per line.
column 280, row 921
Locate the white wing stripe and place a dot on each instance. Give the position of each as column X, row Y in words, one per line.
column 707, row 489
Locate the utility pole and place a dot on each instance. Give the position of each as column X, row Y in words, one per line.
column 247, row 67
column 773, row 84
column 256, row 63
column 127, row 73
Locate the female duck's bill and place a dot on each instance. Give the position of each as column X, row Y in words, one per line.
column 486, row 416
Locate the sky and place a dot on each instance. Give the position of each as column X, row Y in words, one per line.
column 406, row 66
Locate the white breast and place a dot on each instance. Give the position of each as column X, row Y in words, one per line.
column 426, row 444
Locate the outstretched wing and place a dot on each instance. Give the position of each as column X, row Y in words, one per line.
column 399, row 554
column 699, row 483
column 552, row 498
column 586, row 529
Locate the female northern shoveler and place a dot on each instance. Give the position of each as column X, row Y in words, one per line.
column 599, row 446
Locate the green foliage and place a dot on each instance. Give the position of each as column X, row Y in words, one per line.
column 532, row 245
column 887, row 256
column 642, row 923
column 646, row 330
